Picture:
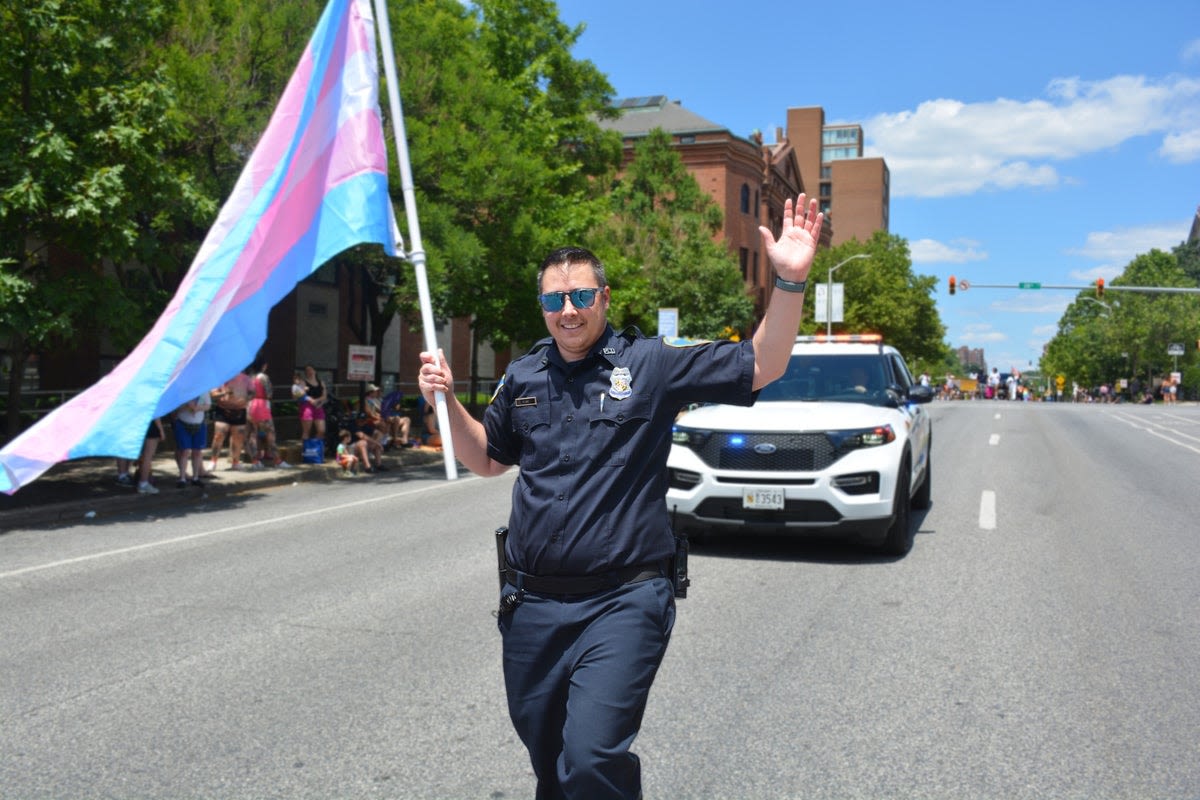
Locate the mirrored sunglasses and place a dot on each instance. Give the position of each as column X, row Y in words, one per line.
column 580, row 298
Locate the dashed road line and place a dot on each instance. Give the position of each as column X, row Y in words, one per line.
column 987, row 510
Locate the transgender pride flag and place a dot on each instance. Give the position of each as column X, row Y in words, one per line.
column 315, row 185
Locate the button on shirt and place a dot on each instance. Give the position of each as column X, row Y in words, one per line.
column 592, row 437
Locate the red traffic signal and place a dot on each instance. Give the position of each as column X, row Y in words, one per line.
column 953, row 284
column 1100, row 287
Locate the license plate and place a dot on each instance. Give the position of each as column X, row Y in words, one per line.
column 763, row 499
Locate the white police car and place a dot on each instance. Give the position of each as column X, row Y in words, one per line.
column 839, row 446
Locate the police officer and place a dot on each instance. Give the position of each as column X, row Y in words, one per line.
column 587, row 416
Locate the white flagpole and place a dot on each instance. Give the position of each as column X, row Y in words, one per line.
column 417, row 254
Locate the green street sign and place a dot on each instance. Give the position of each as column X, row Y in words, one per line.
column 1024, row 285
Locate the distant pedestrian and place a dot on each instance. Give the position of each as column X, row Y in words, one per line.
column 312, row 404
column 260, row 421
column 154, row 434
column 191, row 435
column 229, row 418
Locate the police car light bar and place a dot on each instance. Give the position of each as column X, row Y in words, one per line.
column 843, row 338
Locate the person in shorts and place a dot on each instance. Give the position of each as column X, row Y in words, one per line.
column 191, row 435
column 312, row 399
column 230, row 401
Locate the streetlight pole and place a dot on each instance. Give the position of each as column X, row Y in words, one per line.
column 829, row 292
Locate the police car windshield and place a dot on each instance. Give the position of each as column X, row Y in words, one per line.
column 819, row 377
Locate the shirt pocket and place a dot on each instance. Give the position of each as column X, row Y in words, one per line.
column 615, row 426
column 531, row 425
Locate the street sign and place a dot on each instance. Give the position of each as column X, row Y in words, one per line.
column 1028, row 285
column 668, row 322
column 1175, row 349
column 360, row 362
column 964, row 285
column 1060, row 380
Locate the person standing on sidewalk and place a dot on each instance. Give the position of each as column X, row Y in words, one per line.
column 191, row 435
column 154, row 434
column 229, row 418
column 260, row 423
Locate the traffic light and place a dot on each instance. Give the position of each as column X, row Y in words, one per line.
column 953, row 284
column 1100, row 288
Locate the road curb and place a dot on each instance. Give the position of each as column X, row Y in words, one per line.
column 57, row 511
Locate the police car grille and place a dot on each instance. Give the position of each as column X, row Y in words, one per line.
column 794, row 452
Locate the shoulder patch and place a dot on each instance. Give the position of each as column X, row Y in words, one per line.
column 499, row 386
column 677, row 341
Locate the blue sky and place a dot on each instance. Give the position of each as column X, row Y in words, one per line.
column 1047, row 142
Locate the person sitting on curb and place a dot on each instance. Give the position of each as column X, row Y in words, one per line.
column 345, row 457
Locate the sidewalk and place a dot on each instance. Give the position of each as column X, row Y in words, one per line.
column 87, row 487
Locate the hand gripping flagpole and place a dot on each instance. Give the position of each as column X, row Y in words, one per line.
column 417, row 254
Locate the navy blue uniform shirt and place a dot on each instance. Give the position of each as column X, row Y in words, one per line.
column 592, row 437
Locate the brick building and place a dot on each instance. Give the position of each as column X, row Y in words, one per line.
column 749, row 178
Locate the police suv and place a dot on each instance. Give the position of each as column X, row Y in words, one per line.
column 838, row 446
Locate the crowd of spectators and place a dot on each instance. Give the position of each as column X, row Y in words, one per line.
column 238, row 420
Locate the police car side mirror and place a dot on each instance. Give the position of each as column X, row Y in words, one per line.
column 920, row 394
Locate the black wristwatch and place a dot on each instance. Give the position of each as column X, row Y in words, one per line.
column 791, row 286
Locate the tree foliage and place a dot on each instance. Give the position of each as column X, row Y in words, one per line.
column 87, row 123
column 883, row 295
column 1126, row 334
column 657, row 243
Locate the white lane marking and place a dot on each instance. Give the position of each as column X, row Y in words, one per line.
column 1140, row 424
column 232, row 528
column 997, row 415
column 994, row 439
column 987, row 510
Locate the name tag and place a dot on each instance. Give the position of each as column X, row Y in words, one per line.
column 525, row 401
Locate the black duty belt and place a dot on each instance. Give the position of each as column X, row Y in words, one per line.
column 583, row 584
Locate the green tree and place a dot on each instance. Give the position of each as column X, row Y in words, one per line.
column 658, row 245
column 883, row 295
column 507, row 158
column 1187, row 254
column 1126, row 335
column 86, row 185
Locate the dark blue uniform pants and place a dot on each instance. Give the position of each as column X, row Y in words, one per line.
column 578, row 672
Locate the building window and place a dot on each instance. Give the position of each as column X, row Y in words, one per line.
column 687, row 139
column 826, row 189
column 756, row 265
column 745, row 199
column 743, row 261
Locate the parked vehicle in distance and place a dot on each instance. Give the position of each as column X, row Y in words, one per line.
column 837, row 447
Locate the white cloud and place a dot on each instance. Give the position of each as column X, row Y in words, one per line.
column 1181, row 148
column 1191, row 51
column 946, row 147
column 1034, row 301
column 1121, row 245
column 975, row 335
column 959, row 251
column 1106, row 271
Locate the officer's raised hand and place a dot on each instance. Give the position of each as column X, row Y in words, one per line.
column 792, row 254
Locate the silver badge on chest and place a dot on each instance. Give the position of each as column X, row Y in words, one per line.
column 620, row 380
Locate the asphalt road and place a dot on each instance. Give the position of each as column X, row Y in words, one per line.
column 336, row 640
